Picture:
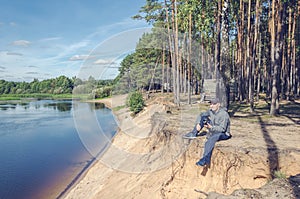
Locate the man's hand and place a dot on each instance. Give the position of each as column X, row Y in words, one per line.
column 198, row 127
column 208, row 125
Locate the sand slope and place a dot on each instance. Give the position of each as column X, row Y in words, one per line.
column 148, row 158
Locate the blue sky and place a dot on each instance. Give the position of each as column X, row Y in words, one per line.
column 47, row 38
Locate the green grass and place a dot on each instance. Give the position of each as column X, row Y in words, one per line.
column 119, row 108
column 8, row 97
column 280, row 175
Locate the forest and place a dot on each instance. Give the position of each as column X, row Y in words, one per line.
column 251, row 48
column 61, row 85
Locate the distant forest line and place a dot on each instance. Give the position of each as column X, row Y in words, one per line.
column 61, row 85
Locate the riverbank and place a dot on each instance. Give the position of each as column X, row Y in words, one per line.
column 257, row 153
column 34, row 96
column 111, row 103
column 104, row 167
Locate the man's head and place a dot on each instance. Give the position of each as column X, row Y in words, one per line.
column 215, row 104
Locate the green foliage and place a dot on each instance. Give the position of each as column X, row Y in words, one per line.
column 151, row 12
column 280, row 175
column 8, row 97
column 135, row 102
column 142, row 67
column 5, row 97
column 103, row 92
column 60, row 87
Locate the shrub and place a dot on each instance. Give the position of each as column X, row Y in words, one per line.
column 103, row 92
column 279, row 174
column 135, row 102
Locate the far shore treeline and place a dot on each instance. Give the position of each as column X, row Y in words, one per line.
column 59, row 87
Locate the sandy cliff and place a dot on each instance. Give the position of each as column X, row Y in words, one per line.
column 149, row 159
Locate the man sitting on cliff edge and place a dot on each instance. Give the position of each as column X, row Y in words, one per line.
column 217, row 121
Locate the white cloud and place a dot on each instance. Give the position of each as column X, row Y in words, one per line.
column 68, row 51
column 21, row 43
column 78, row 57
column 78, row 45
column 51, row 39
column 104, row 62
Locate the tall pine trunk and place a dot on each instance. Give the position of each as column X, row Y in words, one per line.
column 249, row 61
column 275, row 28
column 225, row 53
column 177, row 65
column 189, row 58
column 218, row 47
column 240, row 49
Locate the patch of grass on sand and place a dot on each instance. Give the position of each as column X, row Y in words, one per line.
column 279, row 174
column 119, row 108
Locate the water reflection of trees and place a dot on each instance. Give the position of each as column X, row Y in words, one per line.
column 96, row 106
column 25, row 105
column 6, row 106
column 60, row 106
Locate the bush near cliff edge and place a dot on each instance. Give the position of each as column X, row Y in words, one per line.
column 135, row 102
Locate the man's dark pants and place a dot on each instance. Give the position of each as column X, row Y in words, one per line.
column 210, row 144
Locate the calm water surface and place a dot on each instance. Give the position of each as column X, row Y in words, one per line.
column 41, row 151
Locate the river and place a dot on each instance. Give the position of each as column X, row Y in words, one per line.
column 43, row 148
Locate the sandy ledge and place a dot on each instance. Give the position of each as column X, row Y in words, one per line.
column 238, row 163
